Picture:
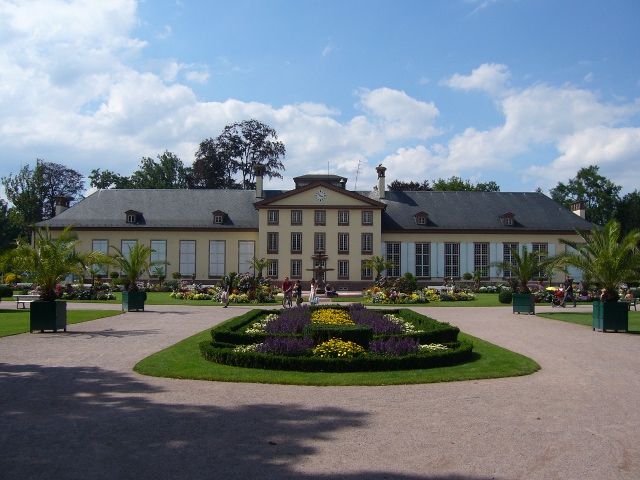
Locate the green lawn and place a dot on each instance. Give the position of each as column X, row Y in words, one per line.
column 586, row 318
column 13, row 322
column 183, row 361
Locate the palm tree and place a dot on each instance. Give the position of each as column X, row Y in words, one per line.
column 50, row 260
column 259, row 264
column 523, row 267
column 379, row 264
column 603, row 257
column 135, row 264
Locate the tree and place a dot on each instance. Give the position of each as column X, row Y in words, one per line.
column 11, row 227
column 603, row 257
column 33, row 192
column 108, row 179
column 50, row 259
column 601, row 196
column 249, row 143
column 212, row 167
column 169, row 172
column 134, row 263
column 452, row 184
column 259, row 264
column 379, row 264
column 523, row 267
column 628, row 212
column 398, row 185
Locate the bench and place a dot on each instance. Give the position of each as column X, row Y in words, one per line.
column 24, row 299
column 631, row 302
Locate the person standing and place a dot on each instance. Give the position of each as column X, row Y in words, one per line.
column 568, row 292
column 312, row 291
column 297, row 290
column 226, row 291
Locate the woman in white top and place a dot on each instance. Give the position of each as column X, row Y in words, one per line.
column 312, row 292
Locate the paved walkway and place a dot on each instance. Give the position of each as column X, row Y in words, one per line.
column 71, row 408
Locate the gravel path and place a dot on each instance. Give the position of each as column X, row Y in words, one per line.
column 71, row 408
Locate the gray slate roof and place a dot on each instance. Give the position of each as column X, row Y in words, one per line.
column 162, row 209
column 477, row 211
column 188, row 209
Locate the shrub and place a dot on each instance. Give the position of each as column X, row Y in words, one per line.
column 467, row 276
column 505, row 296
column 6, row 291
column 395, row 346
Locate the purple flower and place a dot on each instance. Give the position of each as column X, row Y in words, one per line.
column 376, row 320
column 394, row 346
column 290, row 321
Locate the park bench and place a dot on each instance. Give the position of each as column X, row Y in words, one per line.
column 631, row 302
column 24, row 299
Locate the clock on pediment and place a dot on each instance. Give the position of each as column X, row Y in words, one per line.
column 320, row 195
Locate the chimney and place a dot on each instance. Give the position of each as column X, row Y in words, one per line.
column 381, row 181
column 259, row 171
column 578, row 208
column 62, row 204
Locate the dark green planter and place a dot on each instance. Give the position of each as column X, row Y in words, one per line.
column 524, row 303
column 133, row 301
column 610, row 316
column 48, row 316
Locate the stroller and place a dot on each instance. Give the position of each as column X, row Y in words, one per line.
column 556, row 299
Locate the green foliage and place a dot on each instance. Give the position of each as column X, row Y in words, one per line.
column 378, row 263
column 603, row 256
column 6, row 291
column 628, row 212
column 455, row 184
column 505, row 296
column 601, row 195
column 467, row 276
column 52, row 259
column 523, row 268
column 134, row 263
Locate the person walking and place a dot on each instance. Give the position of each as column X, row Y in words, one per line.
column 226, row 292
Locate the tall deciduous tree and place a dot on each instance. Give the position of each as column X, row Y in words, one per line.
column 628, row 212
column 401, row 186
column 168, row 172
column 33, row 192
column 452, row 184
column 108, row 179
column 601, row 195
column 212, row 167
column 249, row 143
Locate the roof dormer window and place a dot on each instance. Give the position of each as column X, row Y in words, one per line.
column 508, row 219
column 421, row 218
column 133, row 216
column 219, row 217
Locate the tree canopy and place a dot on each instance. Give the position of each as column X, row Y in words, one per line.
column 452, row 184
column 601, row 195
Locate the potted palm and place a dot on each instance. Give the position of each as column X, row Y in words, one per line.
column 49, row 260
column 523, row 268
column 607, row 260
column 133, row 264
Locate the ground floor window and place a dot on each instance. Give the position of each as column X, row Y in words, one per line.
column 272, row 269
column 158, row 257
column 343, row 269
column 187, row 258
column 296, row 268
column 366, row 273
column 217, row 251
column 452, row 260
column 481, row 259
column 508, row 257
column 100, row 246
column 393, row 254
column 423, row 259
column 541, row 249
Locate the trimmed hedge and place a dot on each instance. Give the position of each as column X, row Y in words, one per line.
column 459, row 353
column 228, row 335
column 6, row 291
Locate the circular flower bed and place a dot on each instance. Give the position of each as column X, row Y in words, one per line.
column 335, row 339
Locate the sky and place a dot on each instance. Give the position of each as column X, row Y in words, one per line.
column 520, row 92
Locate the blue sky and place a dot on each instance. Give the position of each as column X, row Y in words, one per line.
column 522, row 92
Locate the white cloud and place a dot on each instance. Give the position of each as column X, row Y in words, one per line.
column 492, row 78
